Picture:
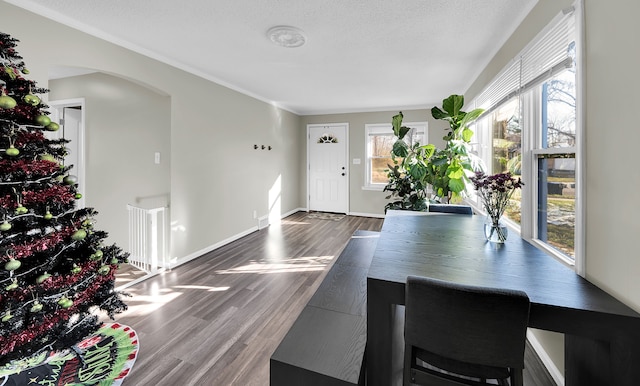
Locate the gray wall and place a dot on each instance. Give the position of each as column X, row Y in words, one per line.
column 612, row 138
column 217, row 180
column 125, row 125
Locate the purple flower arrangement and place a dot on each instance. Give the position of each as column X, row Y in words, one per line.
column 495, row 191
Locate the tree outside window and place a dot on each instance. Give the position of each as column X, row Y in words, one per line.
column 556, row 164
column 380, row 139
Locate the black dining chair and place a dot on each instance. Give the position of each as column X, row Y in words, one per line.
column 463, row 335
column 451, row 208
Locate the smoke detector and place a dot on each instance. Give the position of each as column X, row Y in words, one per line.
column 286, row 36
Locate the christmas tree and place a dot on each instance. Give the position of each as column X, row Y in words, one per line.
column 55, row 273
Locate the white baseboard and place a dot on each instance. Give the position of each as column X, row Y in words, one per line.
column 224, row 242
column 139, row 280
column 289, row 213
column 546, row 360
column 213, row 247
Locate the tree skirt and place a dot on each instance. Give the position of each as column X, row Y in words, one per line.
column 105, row 359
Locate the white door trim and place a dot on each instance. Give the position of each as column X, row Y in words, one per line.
column 347, row 170
column 80, row 169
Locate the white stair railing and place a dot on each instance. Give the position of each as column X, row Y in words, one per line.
column 147, row 238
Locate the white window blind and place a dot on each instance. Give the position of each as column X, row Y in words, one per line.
column 503, row 87
column 550, row 49
column 547, row 54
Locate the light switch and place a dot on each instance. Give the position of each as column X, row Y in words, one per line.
column 356, row 161
column 157, row 158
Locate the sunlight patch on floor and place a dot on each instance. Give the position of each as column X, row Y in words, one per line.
column 141, row 305
column 291, row 222
column 202, row 287
column 300, row 264
column 157, row 297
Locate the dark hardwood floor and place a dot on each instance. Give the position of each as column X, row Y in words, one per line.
column 128, row 274
column 217, row 319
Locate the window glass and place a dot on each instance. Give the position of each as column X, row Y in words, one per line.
column 559, row 111
column 381, row 146
column 380, row 139
column 554, row 152
column 507, row 149
column 557, row 201
column 556, row 164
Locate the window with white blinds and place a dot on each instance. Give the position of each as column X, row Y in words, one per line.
column 531, row 128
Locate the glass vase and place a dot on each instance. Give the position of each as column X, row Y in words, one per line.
column 495, row 230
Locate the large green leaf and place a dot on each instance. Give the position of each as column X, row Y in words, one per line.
column 453, row 104
column 470, row 117
column 403, row 131
column 396, row 121
column 400, row 148
column 439, row 161
column 467, row 134
column 418, row 171
column 428, row 150
column 456, row 185
column 455, row 171
column 436, row 113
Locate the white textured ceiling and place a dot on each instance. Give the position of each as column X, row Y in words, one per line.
column 360, row 55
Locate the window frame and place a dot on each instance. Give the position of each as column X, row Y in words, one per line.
column 531, row 123
column 372, row 129
column 533, row 108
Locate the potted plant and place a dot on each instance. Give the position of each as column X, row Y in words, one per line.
column 407, row 174
column 416, row 166
column 448, row 170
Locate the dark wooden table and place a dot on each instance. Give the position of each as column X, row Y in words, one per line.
column 602, row 335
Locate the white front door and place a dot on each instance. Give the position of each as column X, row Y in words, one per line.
column 328, row 172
